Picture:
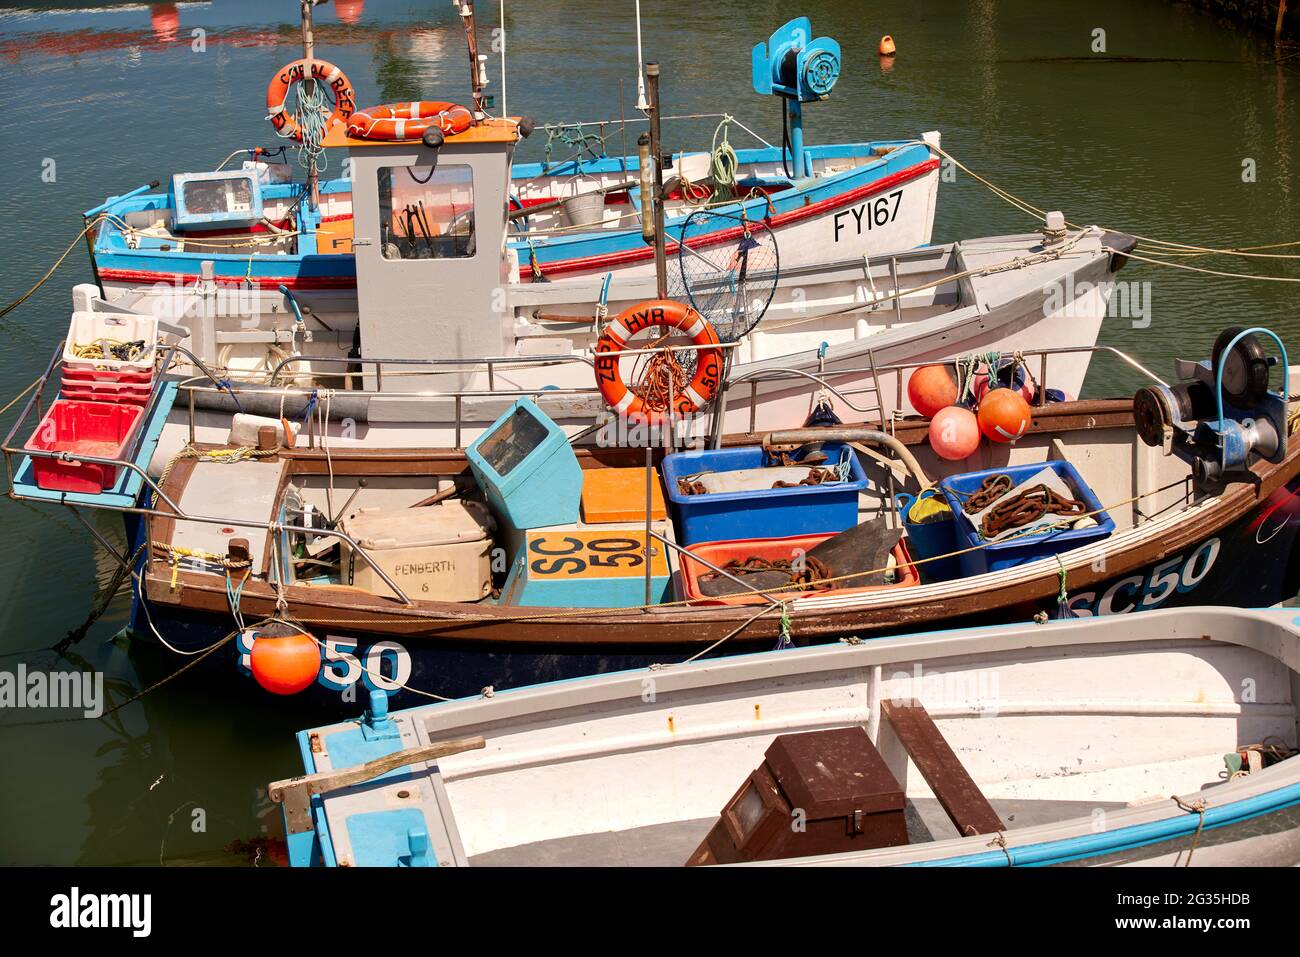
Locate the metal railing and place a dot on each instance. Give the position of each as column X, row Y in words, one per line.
column 822, row 379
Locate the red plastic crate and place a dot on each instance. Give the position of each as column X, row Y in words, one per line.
column 101, row 429
column 80, row 394
column 136, row 377
column 719, row 553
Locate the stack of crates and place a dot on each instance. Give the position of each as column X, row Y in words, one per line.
column 101, row 401
column 123, row 370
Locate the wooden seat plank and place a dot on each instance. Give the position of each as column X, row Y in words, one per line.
column 958, row 794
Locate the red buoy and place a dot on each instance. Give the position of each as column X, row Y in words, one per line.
column 1004, row 415
column 954, row 433
column 284, row 660
column 931, row 388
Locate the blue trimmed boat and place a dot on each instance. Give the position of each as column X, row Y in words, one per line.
column 1164, row 738
column 138, row 250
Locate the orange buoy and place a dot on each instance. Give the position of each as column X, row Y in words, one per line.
column 954, row 433
column 1004, row 415
column 887, row 45
column 932, row 388
column 284, row 660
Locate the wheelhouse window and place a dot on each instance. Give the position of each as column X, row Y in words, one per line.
column 426, row 212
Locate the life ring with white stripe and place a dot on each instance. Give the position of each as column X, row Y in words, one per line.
column 408, row 121
column 345, row 101
column 658, row 312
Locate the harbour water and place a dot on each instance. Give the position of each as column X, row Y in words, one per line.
column 1182, row 128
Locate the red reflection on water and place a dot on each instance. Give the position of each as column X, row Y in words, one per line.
column 349, row 11
column 166, row 21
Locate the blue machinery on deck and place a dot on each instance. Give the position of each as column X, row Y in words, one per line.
column 1222, row 412
column 800, row 69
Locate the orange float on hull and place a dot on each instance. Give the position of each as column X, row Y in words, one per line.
column 345, row 101
column 954, row 433
column 285, row 662
column 658, row 312
column 932, row 388
column 1004, row 415
column 408, row 121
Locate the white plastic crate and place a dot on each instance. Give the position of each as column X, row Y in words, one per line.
column 90, row 327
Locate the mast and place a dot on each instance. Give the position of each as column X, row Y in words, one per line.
column 477, row 63
column 656, row 157
column 308, row 86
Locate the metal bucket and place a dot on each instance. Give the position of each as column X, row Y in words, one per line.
column 585, row 209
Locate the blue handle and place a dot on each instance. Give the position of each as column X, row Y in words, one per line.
column 293, row 303
column 1223, row 357
column 117, row 199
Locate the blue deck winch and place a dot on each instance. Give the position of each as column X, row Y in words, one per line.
column 1222, row 416
column 800, row 69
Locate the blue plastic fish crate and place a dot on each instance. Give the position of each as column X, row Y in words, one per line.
column 1025, row 548
column 767, row 513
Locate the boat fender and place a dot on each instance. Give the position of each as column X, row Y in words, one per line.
column 658, row 312
column 345, row 101
column 408, row 121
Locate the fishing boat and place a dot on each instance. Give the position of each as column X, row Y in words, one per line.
column 1167, row 738
column 526, row 556
column 253, row 231
column 441, row 308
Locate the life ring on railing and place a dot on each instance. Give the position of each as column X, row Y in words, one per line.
column 658, row 312
column 345, row 101
column 408, row 121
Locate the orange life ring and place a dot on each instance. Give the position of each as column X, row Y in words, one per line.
column 658, row 312
column 408, row 121
column 345, row 101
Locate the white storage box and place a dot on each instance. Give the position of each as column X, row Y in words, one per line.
column 106, row 329
column 439, row 552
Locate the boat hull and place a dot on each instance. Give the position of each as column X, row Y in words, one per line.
column 1250, row 563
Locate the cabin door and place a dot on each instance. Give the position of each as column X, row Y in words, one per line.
column 430, row 256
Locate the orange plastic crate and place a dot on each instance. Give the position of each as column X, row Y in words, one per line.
column 719, row 553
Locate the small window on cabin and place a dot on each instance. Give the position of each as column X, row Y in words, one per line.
column 426, row 212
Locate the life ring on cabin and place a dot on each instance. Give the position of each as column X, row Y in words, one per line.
column 658, row 312
column 345, row 101
column 408, row 121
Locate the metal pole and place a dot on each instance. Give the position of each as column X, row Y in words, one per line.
column 656, row 155
column 308, row 85
column 476, row 66
column 649, row 474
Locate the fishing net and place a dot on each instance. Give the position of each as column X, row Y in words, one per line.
column 727, row 267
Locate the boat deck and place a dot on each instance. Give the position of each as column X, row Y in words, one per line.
column 669, row 845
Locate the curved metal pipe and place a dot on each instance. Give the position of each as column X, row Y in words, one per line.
column 851, row 434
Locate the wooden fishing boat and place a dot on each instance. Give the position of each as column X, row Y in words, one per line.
column 1167, row 738
column 443, row 301
column 227, row 543
column 253, row 232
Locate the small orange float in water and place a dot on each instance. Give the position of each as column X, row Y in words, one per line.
column 954, row 433
column 887, row 45
column 284, row 660
column 1004, row 415
column 932, row 388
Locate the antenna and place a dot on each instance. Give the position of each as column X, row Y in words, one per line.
column 642, row 103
